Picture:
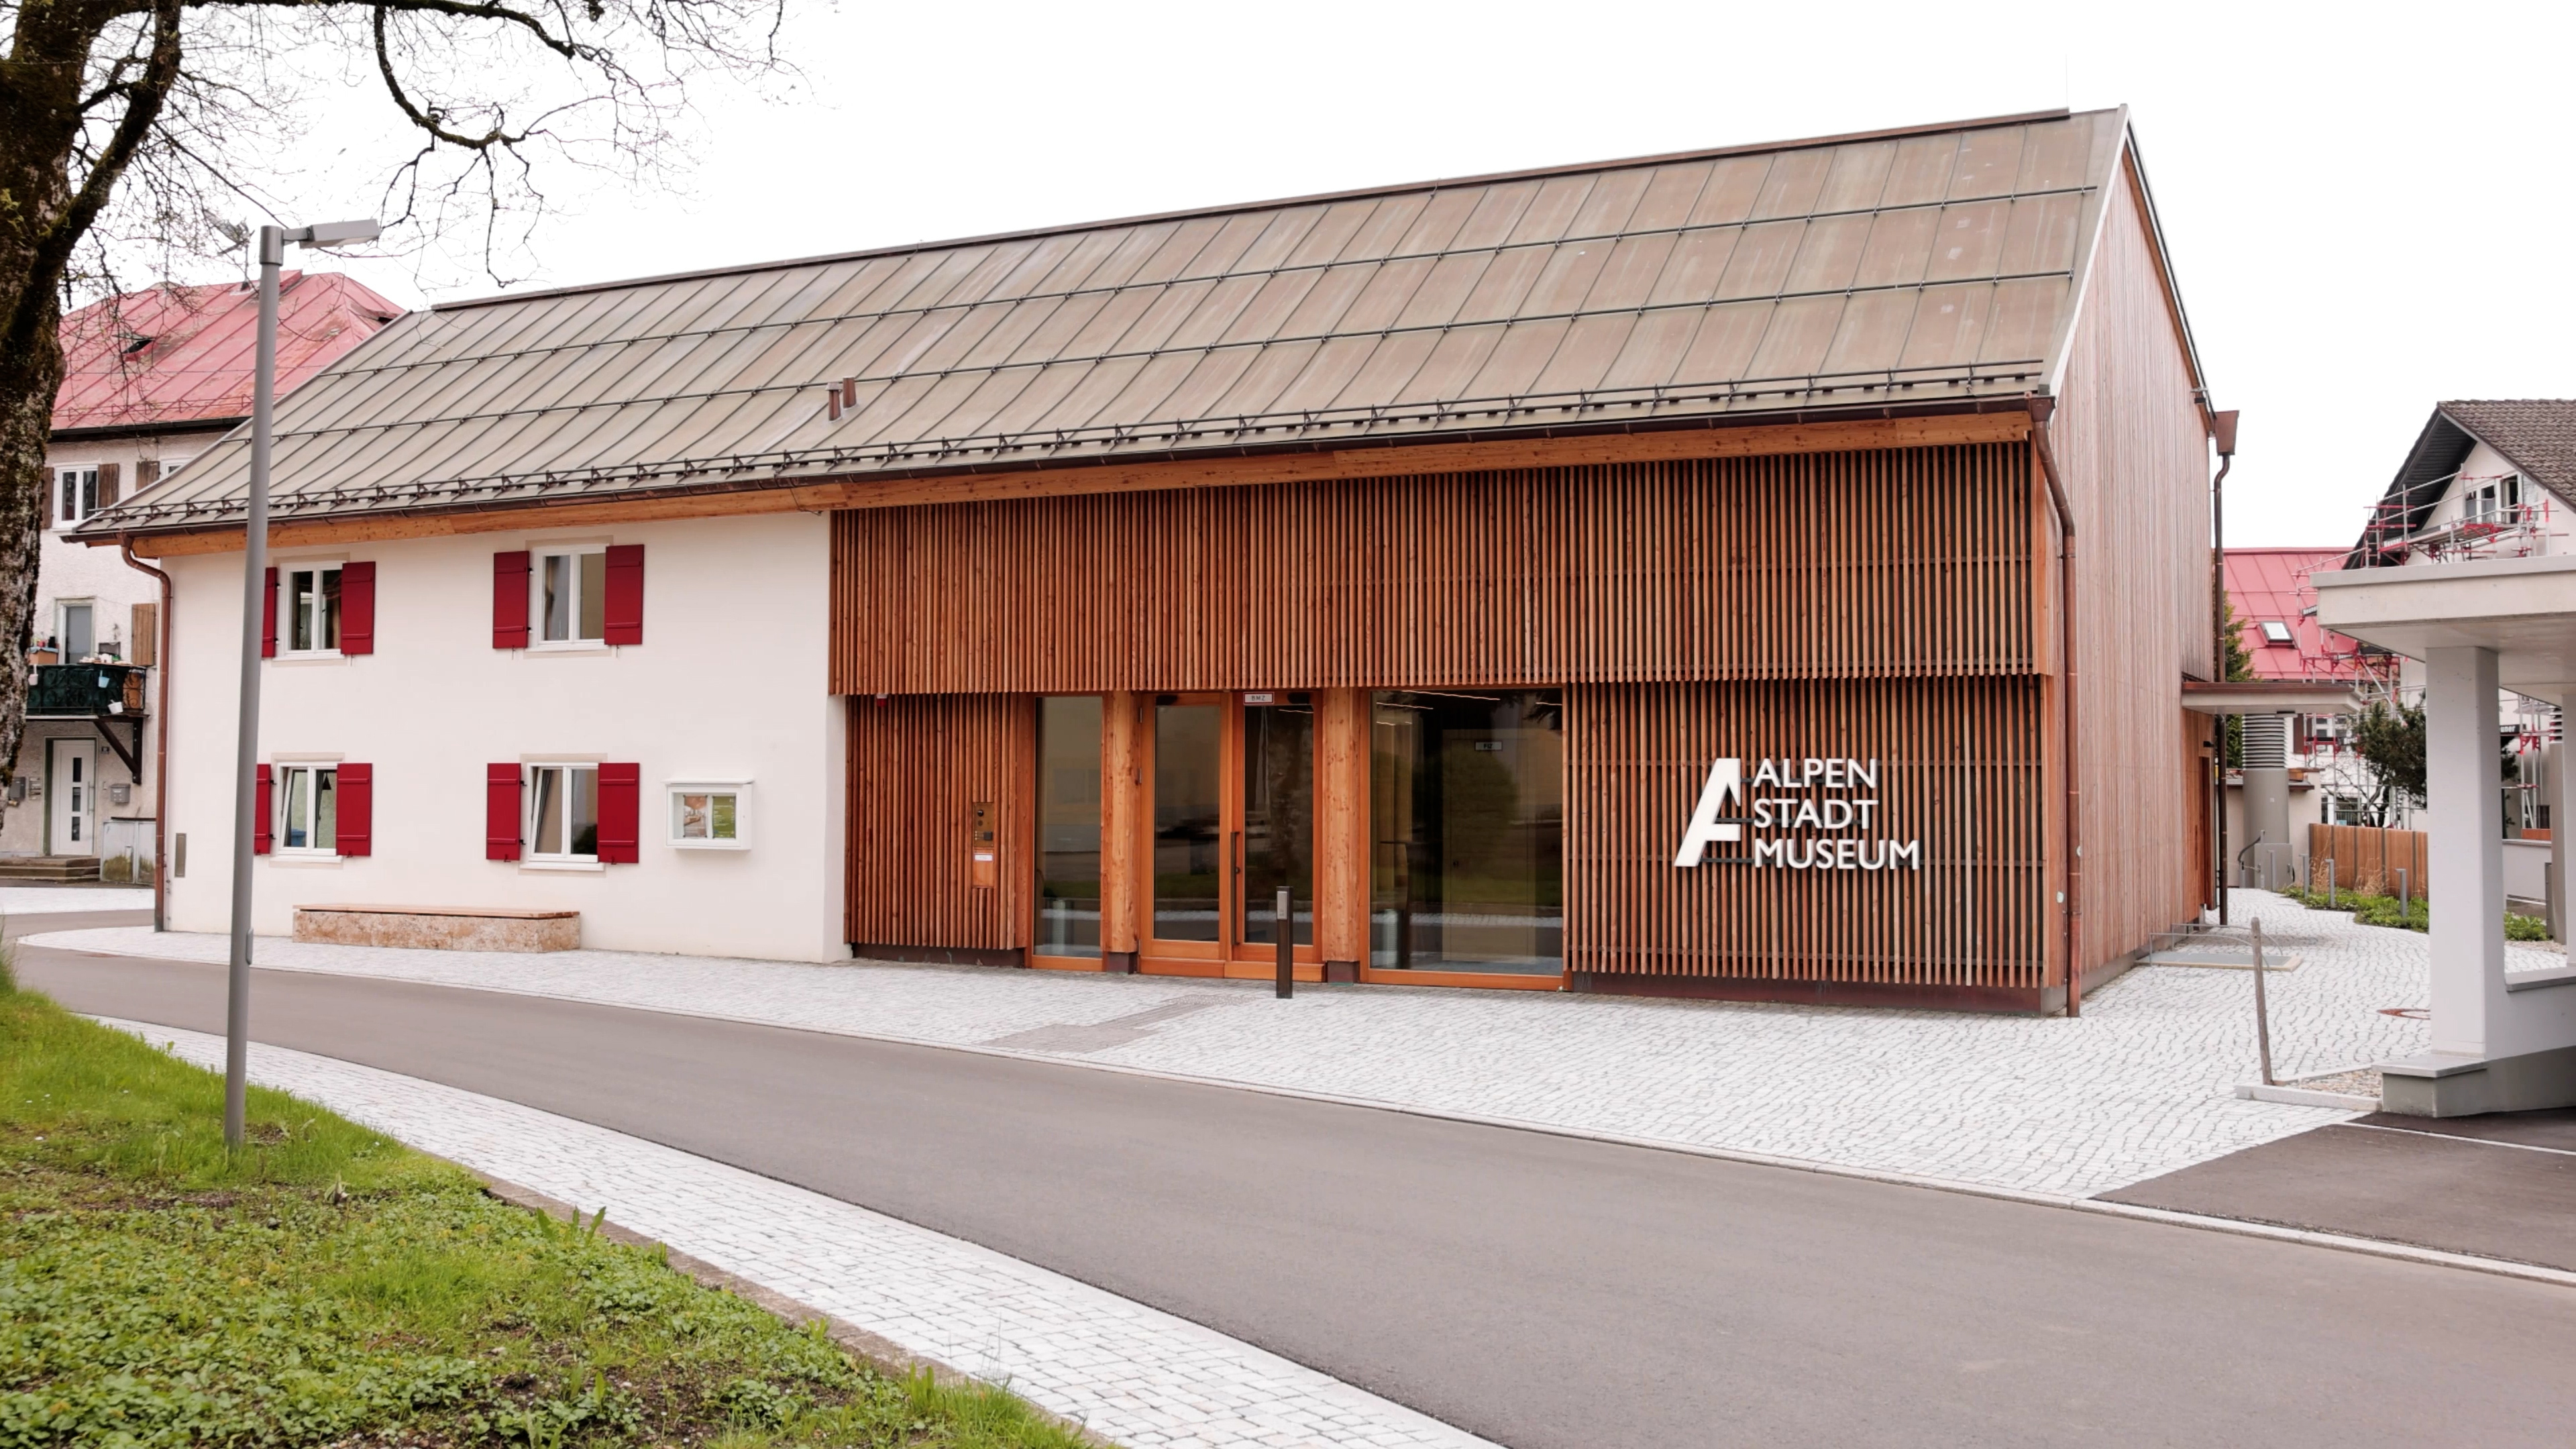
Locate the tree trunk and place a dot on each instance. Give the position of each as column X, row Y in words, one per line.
column 30, row 374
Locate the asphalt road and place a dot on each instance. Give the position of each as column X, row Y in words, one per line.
column 2501, row 1186
column 1543, row 1292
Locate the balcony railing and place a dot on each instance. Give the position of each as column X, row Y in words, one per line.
column 86, row 691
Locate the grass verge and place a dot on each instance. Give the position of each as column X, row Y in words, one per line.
column 327, row 1285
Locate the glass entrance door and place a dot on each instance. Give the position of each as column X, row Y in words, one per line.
column 1231, row 818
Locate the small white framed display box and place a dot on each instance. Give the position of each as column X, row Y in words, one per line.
column 707, row 814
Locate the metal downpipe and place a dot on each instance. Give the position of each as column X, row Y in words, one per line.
column 160, row 738
column 2071, row 919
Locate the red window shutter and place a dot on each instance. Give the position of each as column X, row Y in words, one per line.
column 268, row 618
column 263, row 809
column 501, row 810
column 357, row 823
column 622, row 620
column 621, row 812
column 358, row 609
column 510, row 613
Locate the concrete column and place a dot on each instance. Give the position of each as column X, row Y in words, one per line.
column 2465, row 848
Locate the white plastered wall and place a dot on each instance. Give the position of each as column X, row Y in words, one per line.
column 730, row 683
column 99, row 576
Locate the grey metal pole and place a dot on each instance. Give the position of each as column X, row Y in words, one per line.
column 2262, row 1009
column 272, row 254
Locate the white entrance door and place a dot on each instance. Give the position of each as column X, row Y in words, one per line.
column 74, row 791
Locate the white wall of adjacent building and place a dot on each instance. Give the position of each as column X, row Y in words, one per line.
column 97, row 580
column 728, row 685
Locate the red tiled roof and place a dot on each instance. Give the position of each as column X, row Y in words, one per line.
column 2272, row 584
column 181, row 355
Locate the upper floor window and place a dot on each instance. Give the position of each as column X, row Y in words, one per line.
column 312, row 608
column 76, row 629
column 2275, row 632
column 572, row 595
column 75, row 494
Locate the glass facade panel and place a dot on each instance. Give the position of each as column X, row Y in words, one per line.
column 1278, row 819
column 1189, row 836
column 1467, row 815
column 1069, row 827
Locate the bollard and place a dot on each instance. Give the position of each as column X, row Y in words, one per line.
column 2405, row 898
column 1287, row 925
column 2262, row 1010
column 2330, row 883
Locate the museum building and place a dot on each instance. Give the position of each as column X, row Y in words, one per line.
column 1766, row 573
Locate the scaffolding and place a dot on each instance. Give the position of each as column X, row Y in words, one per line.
column 2495, row 522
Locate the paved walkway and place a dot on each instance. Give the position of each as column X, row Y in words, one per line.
column 1142, row 1378
column 59, row 900
column 2141, row 1085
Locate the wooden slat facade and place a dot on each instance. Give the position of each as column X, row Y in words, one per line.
column 2130, row 448
column 1960, row 762
column 1889, row 563
column 918, row 766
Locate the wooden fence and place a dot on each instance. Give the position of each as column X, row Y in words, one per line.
column 2367, row 859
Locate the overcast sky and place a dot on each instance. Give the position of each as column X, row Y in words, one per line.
column 2368, row 213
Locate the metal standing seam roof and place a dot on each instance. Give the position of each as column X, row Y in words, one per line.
column 1926, row 266
column 2536, row 435
column 181, row 356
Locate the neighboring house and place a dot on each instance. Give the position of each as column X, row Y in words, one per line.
column 2488, row 482
column 1636, row 577
column 2468, row 569
column 151, row 380
column 2277, row 627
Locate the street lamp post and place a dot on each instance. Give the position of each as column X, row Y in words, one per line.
column 272, row 254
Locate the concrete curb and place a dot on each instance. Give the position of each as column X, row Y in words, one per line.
column 2370, row 1247
column 875, row 1350
column 2302, row 1097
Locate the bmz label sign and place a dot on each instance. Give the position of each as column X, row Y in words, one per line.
column 1804, row 795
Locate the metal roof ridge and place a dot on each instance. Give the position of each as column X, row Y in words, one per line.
column 1667, row 158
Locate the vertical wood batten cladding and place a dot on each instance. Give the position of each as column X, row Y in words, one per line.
column 2135, row 461
column 917, row 768
column 1960, row 770
column 1892, row 563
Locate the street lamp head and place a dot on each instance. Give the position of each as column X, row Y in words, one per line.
column 339, row 233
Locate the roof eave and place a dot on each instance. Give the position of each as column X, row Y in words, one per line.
column 106, row 529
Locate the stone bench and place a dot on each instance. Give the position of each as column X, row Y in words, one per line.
column 441, row 928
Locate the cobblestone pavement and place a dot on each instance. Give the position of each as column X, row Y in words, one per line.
column 2142, row 1084
column 54, row 900
column 1142, row 1378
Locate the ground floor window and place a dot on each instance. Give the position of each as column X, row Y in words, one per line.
column 1467, row 815
column 308, row 809
column 1069, row 827
column 563, row 812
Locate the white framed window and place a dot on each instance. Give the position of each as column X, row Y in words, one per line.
column 75, row 493
column 308, row 815
column 709, row 814
column 75, row 629
column 2275, row 632
column 563, row 813
column 308, row 608
column 172, row 465
column 568, row 602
